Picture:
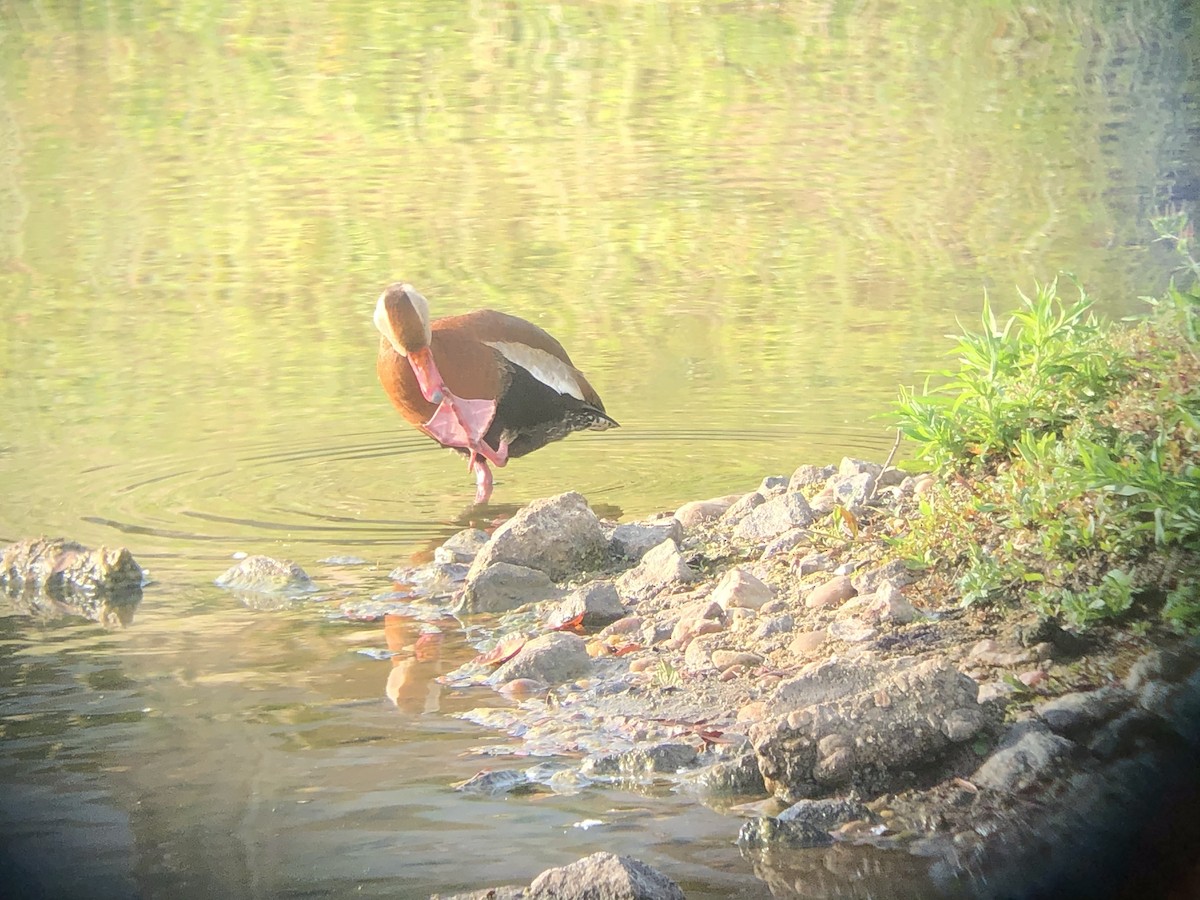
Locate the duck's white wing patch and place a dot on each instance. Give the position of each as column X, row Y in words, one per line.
column 549, row 370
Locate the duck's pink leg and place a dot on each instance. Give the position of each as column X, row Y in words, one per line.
column 483, row 479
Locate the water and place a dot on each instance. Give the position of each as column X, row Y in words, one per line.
column 747, row 222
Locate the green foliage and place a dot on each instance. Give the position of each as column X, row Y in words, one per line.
column 1075, row 448
column 1029, row 377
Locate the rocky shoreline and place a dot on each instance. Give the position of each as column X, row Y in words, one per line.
column 767, row 652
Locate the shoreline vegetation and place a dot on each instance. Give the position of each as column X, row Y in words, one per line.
column 988, row 661
column 1068, row 455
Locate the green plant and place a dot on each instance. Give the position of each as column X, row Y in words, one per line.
column 1029, row 377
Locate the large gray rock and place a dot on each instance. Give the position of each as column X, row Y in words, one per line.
column 604, row 876
column 503, row 586
column 57, row 577
column 552, row 658
column 899, row 722
column 774, row 517
column 661, row 568
column 560, row 535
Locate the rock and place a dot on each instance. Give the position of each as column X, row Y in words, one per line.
column 833, row 592
column 552, row 658
column 1127, row 734
column 262, row 574
column 849, row 467
column 660, row 568
column 996, row 691
column 890, row 477
column 604, row 876
column 494, row 782
column 56, row 577
column 733, row 777
column 776, row 625
column 559, row 535
column 738, row 588
column 598, row 604
column 766, row 831
column 698, row 655
column 1073, row 713
column 991, row 653
column 666, row 758
column 806, row 476
column 814, row 562
column 1158, row 665
column 785, row 542
column 854, row 492
column 701, row 512
column 772, row 518
column 1026, row 753
column 726, row 659
column 461, row 547
column 505, row 892
column 430, row 581
column 635, row 540
column 741, row 508
column 896, row 573
column 908, row 714
column 629, row 626
column 889, row 605
column 773, row 485
column 852, row 630
column 807, row 642
column 824, row 815
column 503, row 586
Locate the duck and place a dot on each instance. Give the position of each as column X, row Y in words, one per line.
column 487, row 384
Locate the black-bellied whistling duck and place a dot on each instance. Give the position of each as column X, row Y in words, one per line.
column 487, row 384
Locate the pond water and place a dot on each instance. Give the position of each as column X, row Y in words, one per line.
column 748, row 222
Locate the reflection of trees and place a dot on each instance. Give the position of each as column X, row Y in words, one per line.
column 14, row 208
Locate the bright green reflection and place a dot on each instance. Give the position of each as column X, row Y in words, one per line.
column 747, row 224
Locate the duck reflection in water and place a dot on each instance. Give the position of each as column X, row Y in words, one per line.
column 412, row 683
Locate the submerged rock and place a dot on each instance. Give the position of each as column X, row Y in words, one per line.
column 59, row 577
column 265, row 575
column 604, row 876
column 666, row 758
column 767, row 831
column 560, row 536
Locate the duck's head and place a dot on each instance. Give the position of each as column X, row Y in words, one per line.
column 402, row 317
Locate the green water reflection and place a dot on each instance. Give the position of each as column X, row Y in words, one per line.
column 747, row 222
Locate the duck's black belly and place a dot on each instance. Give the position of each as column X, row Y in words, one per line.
column 530, row 415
